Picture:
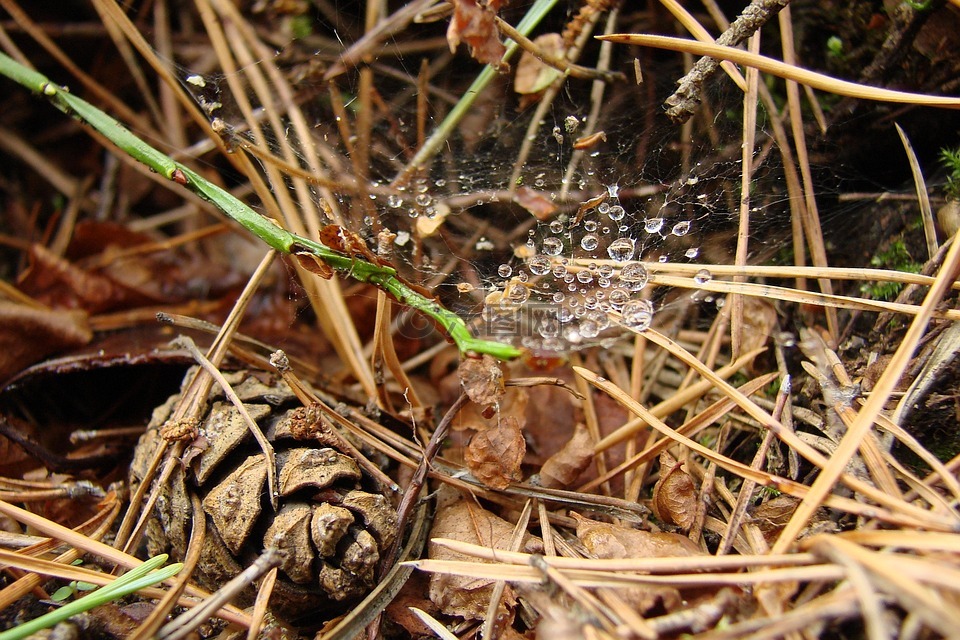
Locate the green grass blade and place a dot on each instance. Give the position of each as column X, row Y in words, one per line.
column 280, row 239
column 131, row 582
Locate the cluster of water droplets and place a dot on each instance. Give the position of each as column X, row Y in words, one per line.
column 581, row 280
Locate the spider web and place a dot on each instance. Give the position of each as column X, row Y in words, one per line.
column 551, row 250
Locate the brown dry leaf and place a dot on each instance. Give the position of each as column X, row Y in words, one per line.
column 514, row 404
column 563, row 468
column 494, row 455
column 473, row 22
column 675, row 494
column 413, row 594
column 773, row 515
column 58, row 283
column 314, row 265
column 539, row 205
column 482, row 380
column 533, row 76
column 611, row 541
column 27, row 335
column 462, row 595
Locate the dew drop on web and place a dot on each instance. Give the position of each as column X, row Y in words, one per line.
column 681, row 228
column 653, row 225
column 618, row 298
column 637, row 314
column 552, row 246
column 589, row 328
column 622, row 249
column 634, row 275
column 703, row 276
column 556, row 227
column 692, row 252
column 538, row 265
column 504, row 270
column 589, row 242
column 616, row 213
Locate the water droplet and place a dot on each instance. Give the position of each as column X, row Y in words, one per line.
column 703, row 276
column 603, row 282
column 590, row 225
column 552, row 246
column 653, row 225
column 604, row 207
column 518, row 294
column 634, row 275
column 637, row 314
column 605, row 270
column 556, row 226
column 621, row 249
column 558, row 297
column 504, row 270
column 692, row 252
column 589, row 242
column 613, row 190
column 394, row 201
column 618, row 298
column 681, row 228
column 559, row 271
column 568, row 277
column 616, row 213
column 585, row 277
column 441, row 183
column 423, row 200
column 589, row 328
column 538, row 265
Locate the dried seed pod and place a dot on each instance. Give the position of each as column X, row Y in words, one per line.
column 331, row 524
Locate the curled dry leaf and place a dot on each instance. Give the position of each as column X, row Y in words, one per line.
column 482, row 380
column 28, row 334
column 774, row 514
column 563, row 468
column 611, row 541
column 462, row 595
column 539, row 205
column 675, row 494
column 473, row 22
column 533, row 76
column 590, row 141
column 314, row 265
column 494, row 455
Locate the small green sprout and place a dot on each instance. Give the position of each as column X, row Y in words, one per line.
column 835, row 47
column 68, row 591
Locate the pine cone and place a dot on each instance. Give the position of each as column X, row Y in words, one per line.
column 331, row 526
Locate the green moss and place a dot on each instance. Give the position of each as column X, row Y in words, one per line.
column 895, row 257
column 951, row 160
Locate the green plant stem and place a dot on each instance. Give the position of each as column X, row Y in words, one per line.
column 131, row 582
column 438, row 138
column 381, row 276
